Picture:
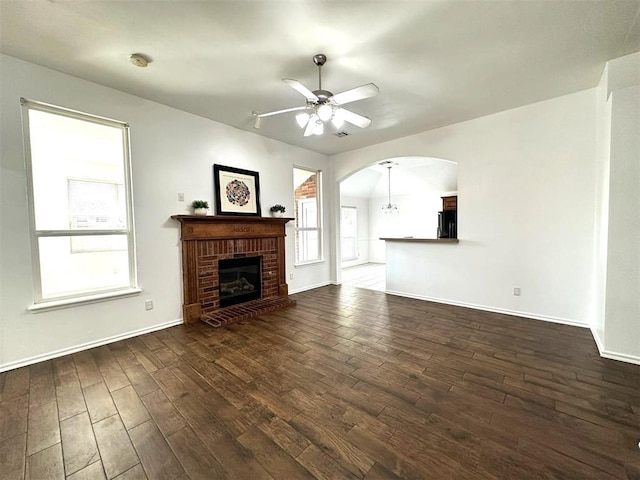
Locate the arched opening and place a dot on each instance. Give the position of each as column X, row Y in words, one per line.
column 415, row 184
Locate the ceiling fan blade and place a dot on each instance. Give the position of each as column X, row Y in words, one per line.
column 257, row 117
column 278, row 112
column 296, row 85
column 358, row 93
column 355, row 118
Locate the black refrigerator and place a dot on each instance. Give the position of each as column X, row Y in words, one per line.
column 447, row 224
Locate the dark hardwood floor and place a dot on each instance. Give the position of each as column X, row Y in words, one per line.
column 348, row 384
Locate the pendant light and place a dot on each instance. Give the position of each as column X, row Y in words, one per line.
column 389, row 207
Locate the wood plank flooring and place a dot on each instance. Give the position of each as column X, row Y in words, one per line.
column 348, row 384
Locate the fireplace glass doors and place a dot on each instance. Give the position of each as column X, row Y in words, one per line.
column 240, row 280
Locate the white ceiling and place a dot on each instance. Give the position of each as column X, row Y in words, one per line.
column 409, row 175
column 436, row 62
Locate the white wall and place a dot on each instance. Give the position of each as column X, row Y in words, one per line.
column 362, row 207
column 417, row 217
column 172, row 152
column 621, row 336
column 526, row 183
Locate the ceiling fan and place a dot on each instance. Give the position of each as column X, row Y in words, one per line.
column 322, row 105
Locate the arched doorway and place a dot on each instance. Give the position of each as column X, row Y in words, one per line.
column 416, row 186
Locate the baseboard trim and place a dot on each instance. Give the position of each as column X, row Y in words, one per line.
column 515, row 313
column 598, row 340
column 85, row 346
column 621, row 357
column 309, row 287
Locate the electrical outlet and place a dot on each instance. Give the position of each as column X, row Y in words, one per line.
column 516, row 291
column 148, row 305
column 181, row 197
column 291, row 276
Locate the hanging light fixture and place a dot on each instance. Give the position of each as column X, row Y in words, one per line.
column 389, row 207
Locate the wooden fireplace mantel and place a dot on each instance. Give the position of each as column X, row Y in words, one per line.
column 206, row 239
column 227, row 226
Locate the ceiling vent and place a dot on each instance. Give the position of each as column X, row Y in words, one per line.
column 342, row 134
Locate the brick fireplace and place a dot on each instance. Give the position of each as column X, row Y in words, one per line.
column 206, row 240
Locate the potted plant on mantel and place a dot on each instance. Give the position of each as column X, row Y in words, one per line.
column 200, row 207
column 277, row 210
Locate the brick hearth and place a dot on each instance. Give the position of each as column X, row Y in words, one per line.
column 208, row 239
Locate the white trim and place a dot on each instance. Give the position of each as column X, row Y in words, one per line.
column 319, row 213
column 78, row 233
column 85, row 346
column 310, row 287
column 310, row 262
column 598, row 340
column 36, row 234
column 622, row 357
column 33, row 240
column 46, row 306
column 516, row 313
column 78, row 115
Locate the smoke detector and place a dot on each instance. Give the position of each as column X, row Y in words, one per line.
column 138, row 60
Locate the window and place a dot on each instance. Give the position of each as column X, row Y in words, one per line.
column 79, row 190
column 349, row 233
column 308, row 238
column 95, row 205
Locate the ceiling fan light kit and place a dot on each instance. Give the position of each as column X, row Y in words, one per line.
column 338, row 119
column 323, row 106
column 325, row 112
column 302, row 119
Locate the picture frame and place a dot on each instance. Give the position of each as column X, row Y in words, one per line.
column 237, row 191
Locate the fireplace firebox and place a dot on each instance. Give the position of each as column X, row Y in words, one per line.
column 240, row 280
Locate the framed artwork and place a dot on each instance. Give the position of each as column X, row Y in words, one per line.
column 237, row 191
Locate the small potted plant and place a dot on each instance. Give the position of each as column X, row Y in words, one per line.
column 200, row 207
column 277, row 210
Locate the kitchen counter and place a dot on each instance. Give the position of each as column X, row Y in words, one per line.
column 420, row 240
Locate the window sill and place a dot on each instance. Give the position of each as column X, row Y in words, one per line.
column 305, row 264
column 47, row 306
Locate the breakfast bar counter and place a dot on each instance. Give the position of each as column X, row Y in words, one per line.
column 420, row 240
